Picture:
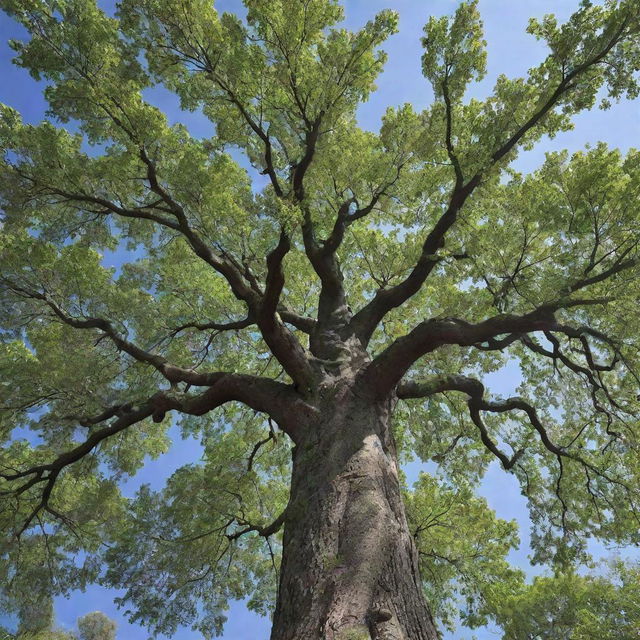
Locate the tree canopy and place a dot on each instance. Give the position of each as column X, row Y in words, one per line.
column 246, row 283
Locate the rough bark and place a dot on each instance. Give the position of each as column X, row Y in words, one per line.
column 350, row 567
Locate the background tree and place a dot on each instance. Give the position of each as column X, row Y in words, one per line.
column 574, row 607
column 312, row 320
column 462, row 548
column 96, row 626
column 36, row 621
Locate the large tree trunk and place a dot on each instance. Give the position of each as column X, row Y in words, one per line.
column 350, row 567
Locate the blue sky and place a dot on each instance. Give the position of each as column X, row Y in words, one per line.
column 510, row 51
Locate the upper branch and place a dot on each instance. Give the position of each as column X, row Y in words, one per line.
column 332, row 305
column 367, row 319
column 275, row 275
column 144, row 212
column 387, row 369
column 300, row 322
column 214, row 326
column 238, row 283
column 171, row 372
column 299, row 169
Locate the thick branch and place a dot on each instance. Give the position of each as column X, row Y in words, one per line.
column 617, row 267
column 333, row 309
column 139, row 213
column 179, row 222
column 47, row 474
column 344, row 217
column 282, row 342
column 279, row 401
column 408, row 389
column 453, row 158
column 388, row 368
column 275, row 275
column 332, row 305
column 302, row 323
column 241, row 289
column 367, row 319
column 300, row 169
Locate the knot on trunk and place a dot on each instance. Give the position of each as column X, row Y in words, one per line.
column 380, row 614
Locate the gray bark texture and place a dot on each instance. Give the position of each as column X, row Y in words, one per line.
column 350, row 566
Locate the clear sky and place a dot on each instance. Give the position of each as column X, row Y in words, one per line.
column 510, row 51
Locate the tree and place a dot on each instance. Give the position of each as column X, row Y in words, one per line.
column 574, row 607
column 96, row 626
column 313, row 318
column 36, row 622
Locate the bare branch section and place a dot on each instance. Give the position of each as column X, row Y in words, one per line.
column 332, row 304
column 302, row 323
column 279, row 401
column 214, row 326
column 364, row 322
column 282, row 342
column 262, row 530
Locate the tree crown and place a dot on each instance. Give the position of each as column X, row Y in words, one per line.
column 414, row 260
